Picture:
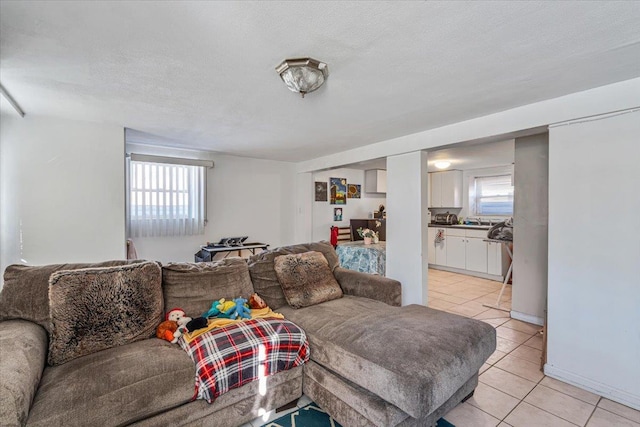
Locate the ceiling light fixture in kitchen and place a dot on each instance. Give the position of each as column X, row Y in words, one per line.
column 442, row 164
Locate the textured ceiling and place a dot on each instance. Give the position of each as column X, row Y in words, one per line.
column 201, row 74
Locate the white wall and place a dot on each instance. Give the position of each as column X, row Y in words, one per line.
column 61, row 191
column 354, row 209
column 246, row 197
column 594, row 264
column 407, row 225
column 531, row 212
column 536, row 117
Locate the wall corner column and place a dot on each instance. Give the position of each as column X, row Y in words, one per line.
column 407, row 224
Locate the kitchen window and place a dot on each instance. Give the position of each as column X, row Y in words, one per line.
column 493, row 195
column 166, row 197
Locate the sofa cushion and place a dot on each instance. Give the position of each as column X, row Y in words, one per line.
column 25, row 293
column 306, row 279
column 194, row 286
column 98, row 308
column 23, row 350
column 115, row 386
column 263, row 274
column 413, row 357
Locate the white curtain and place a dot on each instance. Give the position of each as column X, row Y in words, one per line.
column 166, row 199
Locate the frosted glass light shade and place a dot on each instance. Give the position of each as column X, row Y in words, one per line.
column 442, row 164
column 303, row 75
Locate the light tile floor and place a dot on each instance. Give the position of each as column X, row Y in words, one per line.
column 512, row 390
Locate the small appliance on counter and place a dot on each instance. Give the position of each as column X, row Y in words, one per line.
column 445, row 219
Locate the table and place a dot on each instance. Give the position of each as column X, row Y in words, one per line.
column 364, row 258
column 507, row 245
column 213, row 250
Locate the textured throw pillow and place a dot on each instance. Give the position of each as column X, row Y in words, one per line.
column 25, row 293
column 95, row 309
column 263, row 275
column 194, row 286
column 306, row 279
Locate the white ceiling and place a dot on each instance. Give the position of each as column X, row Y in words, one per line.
column 201, row 74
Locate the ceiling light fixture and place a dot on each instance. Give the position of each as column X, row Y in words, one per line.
column 303, row 75
column 442, row 164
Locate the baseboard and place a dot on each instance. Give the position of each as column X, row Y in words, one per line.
column 604, row 390
column 467, row 272
column 527, row 318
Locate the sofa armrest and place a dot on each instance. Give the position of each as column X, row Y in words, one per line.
column 369, row 286
column 23, row 350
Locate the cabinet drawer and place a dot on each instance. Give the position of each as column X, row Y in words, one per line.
column 455, row 232
column 481, row 234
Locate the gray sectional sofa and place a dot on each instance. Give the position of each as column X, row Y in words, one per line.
column 372, row 362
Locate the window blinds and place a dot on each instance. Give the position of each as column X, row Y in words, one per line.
column 494, row 195
column 166, row 199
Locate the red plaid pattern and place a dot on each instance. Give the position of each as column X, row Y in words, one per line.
column 232, row 356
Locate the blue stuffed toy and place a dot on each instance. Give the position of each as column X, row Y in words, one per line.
column 222, row 309
column 242, row 309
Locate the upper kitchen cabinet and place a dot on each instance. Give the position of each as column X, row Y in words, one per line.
column 375, row 181
column 446, row 189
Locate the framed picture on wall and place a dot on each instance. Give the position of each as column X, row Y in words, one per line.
column 338, row 191
column 321, row 191
column 354, row 191
column 337, row 214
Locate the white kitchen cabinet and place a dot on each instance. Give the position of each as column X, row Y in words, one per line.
column 476, row 255
column 466, row 249
column 496, row 259
column 375, row 181
column 431, row 245
column 446, row 189
column 456, row 247
column 437, row 252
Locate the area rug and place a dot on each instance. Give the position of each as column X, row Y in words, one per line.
column 312, row 415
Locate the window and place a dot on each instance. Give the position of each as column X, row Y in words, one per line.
column 493, row 195
column 165, row 199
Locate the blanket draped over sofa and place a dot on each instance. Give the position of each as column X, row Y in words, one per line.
column 251, row 350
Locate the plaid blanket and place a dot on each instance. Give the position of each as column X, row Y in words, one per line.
column 232, row 356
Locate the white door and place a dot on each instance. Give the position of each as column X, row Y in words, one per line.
column 456, row 252
column 476, row 255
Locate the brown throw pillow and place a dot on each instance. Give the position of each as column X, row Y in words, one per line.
column 263, row 275
column 306, row 279
column 95, row 309
column 25, row 294
column 194, row 286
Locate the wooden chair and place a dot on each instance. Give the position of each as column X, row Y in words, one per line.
column 340, row 234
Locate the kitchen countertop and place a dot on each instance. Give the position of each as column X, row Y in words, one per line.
column 463, row 226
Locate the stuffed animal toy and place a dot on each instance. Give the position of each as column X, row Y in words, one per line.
column 256, row 302
column 197, row 323
column 178, row 315
column 242, row 309
column 166, row 329
column 221, row 308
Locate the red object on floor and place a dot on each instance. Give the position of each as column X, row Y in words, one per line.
column 334, row 236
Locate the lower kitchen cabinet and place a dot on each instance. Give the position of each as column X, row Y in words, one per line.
column 494, row 258
column 476, row 255
column 456, row 247
column 467, row 250
column 437, row 252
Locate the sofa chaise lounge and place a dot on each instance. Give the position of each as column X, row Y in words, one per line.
column 372, row 362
